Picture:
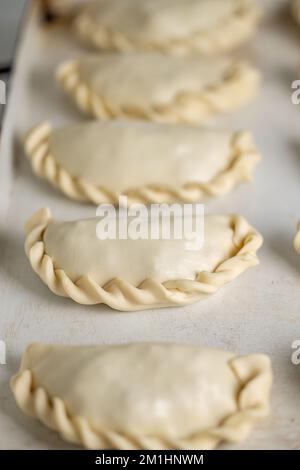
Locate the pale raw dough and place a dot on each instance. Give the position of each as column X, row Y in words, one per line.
column 172, row 26
column 137, row 274
column 155, row 87
column 147, row 162
column 143, row 396
column 135, row 260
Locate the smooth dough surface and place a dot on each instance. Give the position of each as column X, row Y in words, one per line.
column 157, row 87
column 136, row 260
column 147, row 162
column 121, row 156
column 151, row 394
column 167, row 24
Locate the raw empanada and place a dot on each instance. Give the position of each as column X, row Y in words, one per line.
column 136, row 274
column 145, row 161
column 143, row 396
column 156, row 87
column 172, row 26
column 297, row 240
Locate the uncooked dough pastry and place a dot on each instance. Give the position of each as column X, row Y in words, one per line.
column 143, row 396
column 295, row 4
column 172, row 26
column 147, row 162
column 78, row 260
column 156, row 87
column 297, row 240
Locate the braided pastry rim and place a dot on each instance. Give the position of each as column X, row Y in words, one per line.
column 238, row 86
column 253, row 372
column 241, row 164
column 122, row 295
column 221, row 38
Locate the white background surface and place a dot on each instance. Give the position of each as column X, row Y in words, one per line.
column 259, row 312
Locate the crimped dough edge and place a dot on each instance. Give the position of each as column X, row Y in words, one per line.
column 122, row 295
column 253, row 372
column 222, row 38
column 241, row 164
column 238, row 87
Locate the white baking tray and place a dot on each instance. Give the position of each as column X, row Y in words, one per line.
column 259, row 312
